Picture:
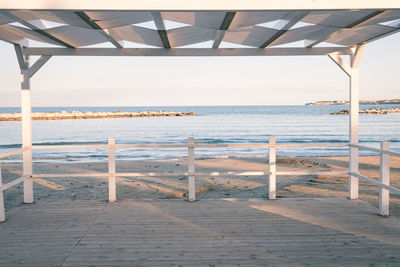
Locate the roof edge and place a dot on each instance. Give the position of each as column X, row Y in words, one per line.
column 206, row 5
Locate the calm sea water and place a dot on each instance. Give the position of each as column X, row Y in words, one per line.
column 214, row 124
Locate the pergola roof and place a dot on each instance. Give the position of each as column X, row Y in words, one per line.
column 176, row 29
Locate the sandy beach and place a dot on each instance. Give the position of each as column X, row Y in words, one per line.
column 53, row 189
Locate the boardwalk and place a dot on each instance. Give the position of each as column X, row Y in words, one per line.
column 230, row 232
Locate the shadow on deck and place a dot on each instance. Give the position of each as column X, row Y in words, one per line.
column 208, row 232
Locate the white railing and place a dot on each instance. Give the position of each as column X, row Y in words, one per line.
column 384, row 175
column 271, row 172
column 8, row 185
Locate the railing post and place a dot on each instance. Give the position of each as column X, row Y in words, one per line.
column 112, row 190
column 272, row 168
column 384, row 175
column 2, row 211
column 191, row 169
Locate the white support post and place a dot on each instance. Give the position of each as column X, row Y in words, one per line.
column 353, row 133
column 272, row 169
column 385, row 180
column 354, row 118
column 352, row 71
column 2, row 210
column 26, row 120
column 27, row 72
column 191, row 169
column 112, row 188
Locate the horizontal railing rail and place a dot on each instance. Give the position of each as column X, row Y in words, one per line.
column 173, row 174
column 11, row 153
column 185, row 145
column 384, row 175
column 369, row 180
column 377, row 150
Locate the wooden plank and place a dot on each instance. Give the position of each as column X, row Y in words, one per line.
column 227, row 232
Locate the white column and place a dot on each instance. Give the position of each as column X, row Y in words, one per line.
column 384, row 179
column 191, row 169
column 353, row 72
column 353, row 132
column 272, row 169
column 26, row 122
column 112, row 187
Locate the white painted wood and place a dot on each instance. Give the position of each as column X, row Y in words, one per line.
column 181, row 5
column 2, row 210
column 37, row 65
column 70, row 175
column 391, row 153
column 387, row 187
column 310, row 144
column 37, row 147
column 10, row 153
column 341, row 63
column 20, row 57
column 187, row 52
column 357, row 56
column 169, row 174
column 67, row 147
column 353, row 132
column 384, row 178
column 26, row 136
column 272, row 168
column 13, row 183
column 112, row 187
column 296, row 173
column 151, row 146
column 283, row 25
column 191, row 169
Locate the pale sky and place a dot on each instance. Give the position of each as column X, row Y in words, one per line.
column 167, row 81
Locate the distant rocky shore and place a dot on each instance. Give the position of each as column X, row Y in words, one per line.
column 91, row 115
column 370, row 111
column 362, row 102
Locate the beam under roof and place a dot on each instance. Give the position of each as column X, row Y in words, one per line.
column 284, row 25
column 95, row 26
column 38, row 30
column 187, row 52
column 373, row 14
column 159, row 22
column 226, row 22
column 190, row 5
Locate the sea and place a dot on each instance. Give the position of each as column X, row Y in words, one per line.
column 213, row 124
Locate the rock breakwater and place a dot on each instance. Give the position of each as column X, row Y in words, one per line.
column 362, row 102
column 78, row 115
column 369, row 111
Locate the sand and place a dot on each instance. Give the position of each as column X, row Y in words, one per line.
column 53, row 189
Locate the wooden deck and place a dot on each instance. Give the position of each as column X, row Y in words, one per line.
column 227, row 232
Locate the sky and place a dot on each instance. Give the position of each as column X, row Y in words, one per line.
column 200, row 81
